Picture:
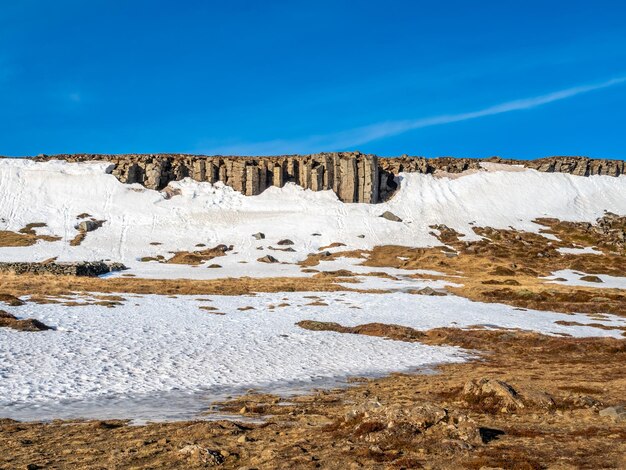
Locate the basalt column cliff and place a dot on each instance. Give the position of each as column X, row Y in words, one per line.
column 353, row 176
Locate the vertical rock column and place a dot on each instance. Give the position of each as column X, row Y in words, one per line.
column 263, row 183
column 252, row 181
column 317, row 178
column 277, row 175
column 336, row 165
column 154, row 174
column 304, row 174
column 360, row 178
column 370, row 179
column 327, row 163
column 222, row 172
column 210, row 172
column 199, row 169
column 237, row 178
column 348, row 177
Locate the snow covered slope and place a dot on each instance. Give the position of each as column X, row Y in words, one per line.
column 56, row 192
column 155, row 344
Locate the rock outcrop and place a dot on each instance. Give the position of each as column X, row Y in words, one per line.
column 353, row 176
column 86, row 268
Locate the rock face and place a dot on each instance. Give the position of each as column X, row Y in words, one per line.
column 353, row 176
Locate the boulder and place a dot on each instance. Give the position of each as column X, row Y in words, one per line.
column 267, row 259
column 429, row 291
column 286, row 241
column 492, row 395
column 87, row 226
column 591, row 278
column 617, row 413
column 390, row 216
column 202, row 455
column 259, row 236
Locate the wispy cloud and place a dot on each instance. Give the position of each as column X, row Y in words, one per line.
column 362, row 135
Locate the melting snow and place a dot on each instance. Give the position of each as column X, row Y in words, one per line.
column 573, row 278
column 588, row 250
column 155, row 344
column 56, row 192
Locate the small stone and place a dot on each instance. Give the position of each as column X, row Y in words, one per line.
column 267, row 259
column 286, row 241
column 429, row 291
column 591, row 279
column 390, row 216
column 259, row 236
column 360, row 236
column 87, row 226
column 618, row 413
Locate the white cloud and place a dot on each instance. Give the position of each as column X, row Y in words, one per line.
column 361, row 135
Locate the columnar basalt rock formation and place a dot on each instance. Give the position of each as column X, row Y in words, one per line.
column 353, row 176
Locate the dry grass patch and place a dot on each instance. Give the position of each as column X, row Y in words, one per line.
column 26, row 236
column 28, row 324
column 198, row 257
column 44, row 286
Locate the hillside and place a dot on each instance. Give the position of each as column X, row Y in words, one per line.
column 495, row 289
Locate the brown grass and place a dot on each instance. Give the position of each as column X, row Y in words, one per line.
column 197, row 257
column 49, row 285
column 26, row 236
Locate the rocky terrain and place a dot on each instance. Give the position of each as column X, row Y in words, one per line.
column 477, row 319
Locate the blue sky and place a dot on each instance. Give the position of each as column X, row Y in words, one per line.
column 519, row 79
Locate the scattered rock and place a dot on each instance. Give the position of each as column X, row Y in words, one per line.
column 491, row 395
column 429, row 291
column 390, row 216
column 213, row 266
column 284, row 242
column 203, row 455
column 259, row 236
column 11, row 300
column 360, row 236
column 267, row 259
column 85, row 268
column 88, row 225
column 591, row 278
column 169, row 192
column 538, row 399
column 618, row 413
column 505, row 282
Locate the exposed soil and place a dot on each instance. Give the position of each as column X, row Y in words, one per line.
column 544, row 416
column 8, row 320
